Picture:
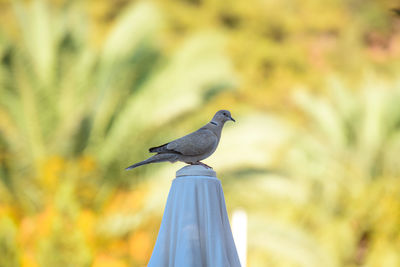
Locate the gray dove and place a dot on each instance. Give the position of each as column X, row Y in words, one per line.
column 191, row 148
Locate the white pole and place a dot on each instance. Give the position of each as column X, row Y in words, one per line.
column 239, row 232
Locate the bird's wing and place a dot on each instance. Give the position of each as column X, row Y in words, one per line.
column 197, row 143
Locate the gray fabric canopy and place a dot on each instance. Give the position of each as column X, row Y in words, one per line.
column 195, row 229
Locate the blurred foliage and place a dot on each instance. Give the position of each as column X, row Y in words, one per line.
column 87, row 86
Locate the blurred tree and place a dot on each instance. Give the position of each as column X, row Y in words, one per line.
column 85, row 88
column 72, row 114
column 277, row 44
column 330, row 195
column 62, row 97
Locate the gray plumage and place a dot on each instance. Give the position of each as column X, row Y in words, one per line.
column 191, row 148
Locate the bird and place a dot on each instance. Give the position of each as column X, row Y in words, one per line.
column 191, row 148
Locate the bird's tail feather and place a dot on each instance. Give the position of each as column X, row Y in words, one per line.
column 153, row 159
column 137, row 165
column 158, row 148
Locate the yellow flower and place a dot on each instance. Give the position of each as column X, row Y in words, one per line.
column 104, row 260
column 87, row 163
column 51, row 170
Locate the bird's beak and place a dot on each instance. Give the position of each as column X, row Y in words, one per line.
column 232, row 119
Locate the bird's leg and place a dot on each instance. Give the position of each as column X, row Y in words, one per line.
column 200, row 163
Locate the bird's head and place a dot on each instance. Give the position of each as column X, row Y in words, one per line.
column 222, row 116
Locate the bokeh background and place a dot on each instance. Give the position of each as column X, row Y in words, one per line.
column 313, row 159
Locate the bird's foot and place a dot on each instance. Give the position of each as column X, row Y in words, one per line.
column 201, row 163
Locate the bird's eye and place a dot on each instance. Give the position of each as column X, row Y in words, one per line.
column 224, row 114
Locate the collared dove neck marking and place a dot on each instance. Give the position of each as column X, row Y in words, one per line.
column 191, row 148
